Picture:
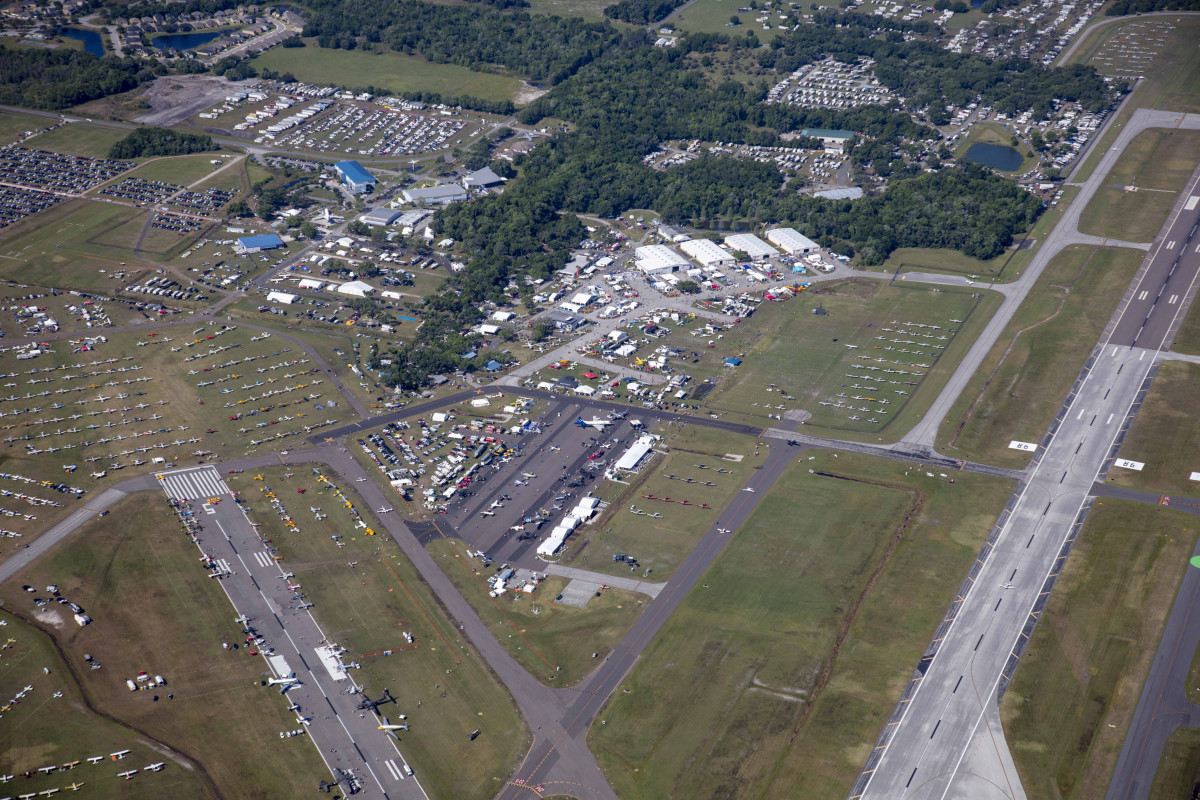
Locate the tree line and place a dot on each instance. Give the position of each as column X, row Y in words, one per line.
column 60, row 78
column 143, row 142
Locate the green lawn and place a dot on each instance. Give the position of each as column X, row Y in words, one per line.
column 1165, row 435
column 181, row 170
column 1158, row 162
column 14, row 123
column 391, row 71
column 719, row 705
column 154, row 609
column 661, row 545
column 81, row 139
column 797, row 359
column 1178, row 772
column 368, row 608
column 1068, row 708
column 1028, row 372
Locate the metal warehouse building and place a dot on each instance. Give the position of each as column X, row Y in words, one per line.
column 792, row 241
column 255, row 244
column 655, row 259
column 706, row 252
column 751, row 245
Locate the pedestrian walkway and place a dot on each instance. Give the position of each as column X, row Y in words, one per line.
column 192, row 484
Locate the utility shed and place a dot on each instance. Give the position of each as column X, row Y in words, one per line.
column 756, row 248
column 792, row 241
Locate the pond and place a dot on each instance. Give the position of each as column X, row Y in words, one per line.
column 185, row 41
column 996, row 156
column 91, row 39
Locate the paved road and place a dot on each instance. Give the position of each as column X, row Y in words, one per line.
column 1065, row 233
column 946, row 741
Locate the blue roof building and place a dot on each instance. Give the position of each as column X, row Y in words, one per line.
column 254, row 244
column 732, row 361
column 354, row 177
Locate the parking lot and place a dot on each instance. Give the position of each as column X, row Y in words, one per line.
column 57, row 172
column 831, row 84
column 375, row 131
column 16, row 204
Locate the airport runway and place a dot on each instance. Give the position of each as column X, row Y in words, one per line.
column 347, row 739
column 944, row 739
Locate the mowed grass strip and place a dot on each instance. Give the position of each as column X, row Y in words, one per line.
column 1028, row 372
column 1141, row 189
column 81, row 139
column 365, row 596
column 387, row 70
column 14, row 123
column 1178, row 773
column 154, row 609
column 1165, row 435
column 802, row 600
column 1067, row 710
column 1187, row 338
column 661, row 544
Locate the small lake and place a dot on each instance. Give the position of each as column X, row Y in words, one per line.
column 185, row 41
column 91, row 39
column 996, row 156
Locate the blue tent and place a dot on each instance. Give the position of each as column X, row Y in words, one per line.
column 732, row 362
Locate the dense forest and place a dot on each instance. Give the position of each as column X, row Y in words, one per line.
column 144, row 142
column 642, row 12
column 61, row 78
column 534, row 46
column 1120, row 8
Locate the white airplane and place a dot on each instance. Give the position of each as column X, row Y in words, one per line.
column 384, row 509
column 99, row 474
column 284, row 683
column 594, row 422
column 155, row 767
column 390, row 728
column 359, row 480
column 127, row 775
column 1006, row 586
column 748, row 489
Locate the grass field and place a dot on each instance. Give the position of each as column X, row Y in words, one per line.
column 722, row 703
column 367, row 608
column 182, row 170
column 391, row 71
column 1169, row 83
column 554, row 642
column 796, row 359
column 44, row 729
column 1178, row 773
column 712, row 16
column 1158, row 162
column 81, row 139
column 1165, row 435
column 1068, row 708
column 154, row 609
column 1028, row 372
column 588, row 9
column 661, row 545
column 14, row 123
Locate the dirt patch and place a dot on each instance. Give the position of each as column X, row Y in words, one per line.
column 50, row 616
column 527, row 94
column 176, row 98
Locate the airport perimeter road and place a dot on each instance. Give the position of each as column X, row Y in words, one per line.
column 348, row 740
column 1066, row 232
column 945, row 740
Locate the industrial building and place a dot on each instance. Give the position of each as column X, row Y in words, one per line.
column 255, row 244
column 657, row 259
column 439, row 195
column 482, row 179
column 833, row 140
column 751, row 245
column 706, row 252
column 792, row 241
column 356, row 179
column 281, row 297
column 381, row 216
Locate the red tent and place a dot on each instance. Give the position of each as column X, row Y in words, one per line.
column 590, row 375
